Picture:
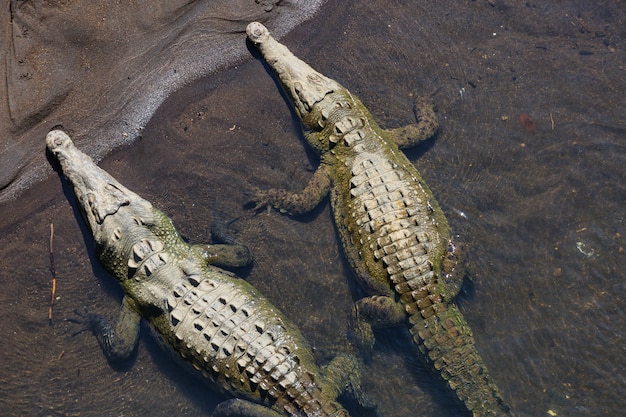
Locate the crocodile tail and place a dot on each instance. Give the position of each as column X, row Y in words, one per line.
column 445, row 338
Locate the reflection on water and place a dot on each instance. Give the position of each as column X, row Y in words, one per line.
column 541, row 215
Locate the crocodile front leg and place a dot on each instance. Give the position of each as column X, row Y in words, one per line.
column 118, row 342
column 296, row 203
column 344, row 374
column 412, row 134
column 224, row 255
column 371, row 313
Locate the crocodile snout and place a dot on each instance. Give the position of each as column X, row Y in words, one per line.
column 257, row 33
column 98, row 194
column 304, row 85
column 56, row 139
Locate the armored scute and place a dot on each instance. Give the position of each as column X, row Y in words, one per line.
column 216, row 323
column 394, row 233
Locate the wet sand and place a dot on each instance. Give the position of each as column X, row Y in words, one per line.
column 102, row 71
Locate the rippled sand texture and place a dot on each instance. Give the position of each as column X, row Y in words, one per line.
column 101, row 70
column 541, row 214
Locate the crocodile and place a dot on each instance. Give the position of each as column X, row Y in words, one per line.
column 393, row 232
column 216, row 324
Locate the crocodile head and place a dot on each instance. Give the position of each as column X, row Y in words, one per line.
column 99, row 195
column 305, row 86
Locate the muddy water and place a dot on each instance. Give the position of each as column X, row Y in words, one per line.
column 541, row 214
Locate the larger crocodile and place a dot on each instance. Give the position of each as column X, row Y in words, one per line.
column 393, row 231
column 221, row 327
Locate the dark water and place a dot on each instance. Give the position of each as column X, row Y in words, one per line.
column 541, row 214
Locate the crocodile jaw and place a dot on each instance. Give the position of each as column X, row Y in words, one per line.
column 305, row 86
column 99, row 194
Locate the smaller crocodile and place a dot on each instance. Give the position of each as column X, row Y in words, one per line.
column 393, row 231
column 216, row 324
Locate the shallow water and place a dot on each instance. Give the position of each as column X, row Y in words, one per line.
column 541, row 215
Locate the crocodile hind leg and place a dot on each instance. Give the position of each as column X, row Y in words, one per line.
column 344, row 373
column 296, row 203
column 224, row 255
column 426, row 126
column 118, row 342
column 370, row 313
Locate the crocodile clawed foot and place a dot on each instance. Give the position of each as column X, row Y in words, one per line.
column 221, row 229
column 257, row 201
column 84, row 319
column 361, row 335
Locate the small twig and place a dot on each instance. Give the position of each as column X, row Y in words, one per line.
column 583, row 27
column 54, row 277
